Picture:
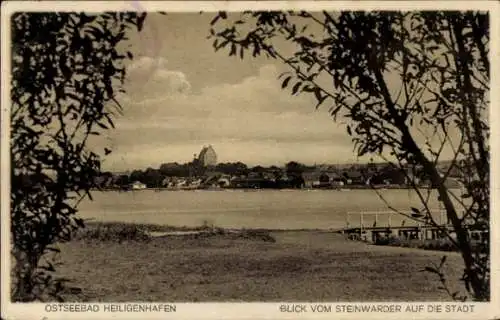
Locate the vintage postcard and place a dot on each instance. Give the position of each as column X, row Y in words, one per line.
column 250, row 160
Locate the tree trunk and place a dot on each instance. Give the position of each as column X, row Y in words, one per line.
column 478, row 288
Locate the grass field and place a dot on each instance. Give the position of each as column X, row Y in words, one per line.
column 296, row 266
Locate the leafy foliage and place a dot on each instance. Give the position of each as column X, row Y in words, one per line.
column 66, row 72
column 411, row 85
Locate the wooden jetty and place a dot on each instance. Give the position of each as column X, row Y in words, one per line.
column 420, row 231
column 375, row 231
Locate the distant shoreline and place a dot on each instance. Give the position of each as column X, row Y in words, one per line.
column 151, row 227
column 353, row 187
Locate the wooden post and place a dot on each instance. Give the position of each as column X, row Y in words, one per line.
column 376, row 219
column 389, row 220
column 361, row 225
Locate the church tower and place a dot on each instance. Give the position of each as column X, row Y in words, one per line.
column 208, row 156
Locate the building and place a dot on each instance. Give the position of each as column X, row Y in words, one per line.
column 311, row 178
column 252, row 183
column 137, row 185
column 352, row 177
column 320, row 179
column 207, row 157
column 224, row 181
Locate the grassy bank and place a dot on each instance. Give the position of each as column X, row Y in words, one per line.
column 122, row 262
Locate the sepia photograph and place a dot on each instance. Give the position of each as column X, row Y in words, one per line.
column 254, row 155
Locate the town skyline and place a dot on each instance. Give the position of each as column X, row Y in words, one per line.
column 197, row 156
column 216, row 162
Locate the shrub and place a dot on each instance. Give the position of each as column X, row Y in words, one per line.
column 431, row 244
column 113, row 232
column 390, row 240
column 262, row 235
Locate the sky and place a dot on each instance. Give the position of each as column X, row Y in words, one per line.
column 182, row 95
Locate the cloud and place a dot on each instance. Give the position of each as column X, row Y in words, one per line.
column 146, row 64
column 253, row 121
column 150, row 79
column 261, row 92
column 245, row 127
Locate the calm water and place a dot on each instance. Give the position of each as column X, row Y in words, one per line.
column 249, row 209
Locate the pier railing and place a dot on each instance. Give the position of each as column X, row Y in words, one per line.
column 362, row 228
